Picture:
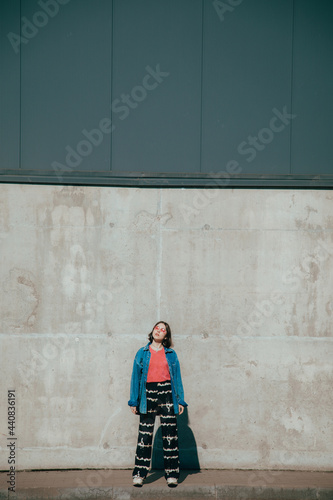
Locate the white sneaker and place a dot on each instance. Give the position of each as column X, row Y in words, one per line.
column 172, row 482
column 137, row 481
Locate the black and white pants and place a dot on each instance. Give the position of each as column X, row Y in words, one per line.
column 159, row 402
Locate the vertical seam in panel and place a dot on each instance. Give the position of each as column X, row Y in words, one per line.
column 20, row 96
column 111, row 81
column 201, row 83
column 291, row 82
column 159, row 255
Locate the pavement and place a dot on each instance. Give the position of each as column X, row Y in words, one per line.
column 113, row 484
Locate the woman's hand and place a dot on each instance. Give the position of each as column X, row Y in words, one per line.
column 181, row 409
column 134, row 410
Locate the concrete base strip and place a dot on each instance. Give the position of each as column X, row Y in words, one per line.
column 205, row 484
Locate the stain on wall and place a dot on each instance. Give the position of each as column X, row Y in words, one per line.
column 20, row 301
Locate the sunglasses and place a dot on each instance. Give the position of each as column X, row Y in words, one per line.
column 160, row 329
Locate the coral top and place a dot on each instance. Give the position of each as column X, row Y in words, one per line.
column 158, row 370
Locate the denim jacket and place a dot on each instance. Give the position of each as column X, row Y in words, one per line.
column 139, row 378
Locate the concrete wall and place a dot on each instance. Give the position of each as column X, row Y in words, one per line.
column 244, row 277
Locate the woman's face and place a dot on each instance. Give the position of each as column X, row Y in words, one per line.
column 159, row 332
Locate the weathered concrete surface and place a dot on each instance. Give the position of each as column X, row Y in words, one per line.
column 226, row 484
column 244, row 277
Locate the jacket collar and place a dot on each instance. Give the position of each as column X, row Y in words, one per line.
column 146, row 348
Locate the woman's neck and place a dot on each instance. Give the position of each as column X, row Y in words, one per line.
column 156, row 345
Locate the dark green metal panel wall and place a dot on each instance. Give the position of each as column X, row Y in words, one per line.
column 66, row 86
column 162, row 133
column 312, row 88
column 98, row 90
column 246, row 74
column 9, row 88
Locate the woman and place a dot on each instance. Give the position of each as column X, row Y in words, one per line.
column 157, row 389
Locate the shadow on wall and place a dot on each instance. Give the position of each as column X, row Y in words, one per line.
column 188, row 453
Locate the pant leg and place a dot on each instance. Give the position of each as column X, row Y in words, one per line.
column 145, row 435
column 169, row 430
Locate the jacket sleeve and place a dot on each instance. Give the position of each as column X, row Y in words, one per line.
column 135, row 382
column 179, row 388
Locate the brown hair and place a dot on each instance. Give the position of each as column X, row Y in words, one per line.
column 167, row 341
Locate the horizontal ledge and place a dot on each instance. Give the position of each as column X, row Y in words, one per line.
column 174, row 180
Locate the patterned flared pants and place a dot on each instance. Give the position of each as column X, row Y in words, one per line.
column 159, row 402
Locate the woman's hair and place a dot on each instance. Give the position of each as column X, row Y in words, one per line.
column 167, row 341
